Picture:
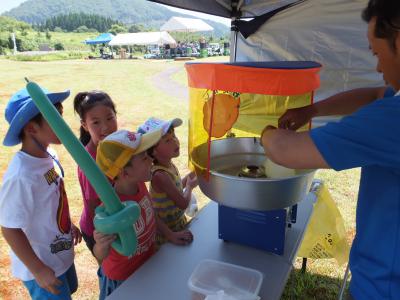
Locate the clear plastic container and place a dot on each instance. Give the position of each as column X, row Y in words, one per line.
column 210, row 277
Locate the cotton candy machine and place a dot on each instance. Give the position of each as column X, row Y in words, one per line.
column 230, row 104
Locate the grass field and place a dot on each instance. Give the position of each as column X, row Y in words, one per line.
column 129, row 84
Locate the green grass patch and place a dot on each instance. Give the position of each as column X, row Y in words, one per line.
column 57, row 55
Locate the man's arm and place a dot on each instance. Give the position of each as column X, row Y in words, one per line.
column 343, row 103
column 20, row 245
column 348, row 102
column 292, row 150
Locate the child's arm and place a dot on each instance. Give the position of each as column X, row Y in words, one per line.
column 19, row 243
column 103, row 245
column 93, row 203
column 76, row 234
column 161, row 181
column 183, row 237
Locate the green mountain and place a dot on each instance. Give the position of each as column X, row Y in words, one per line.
column 126, row 11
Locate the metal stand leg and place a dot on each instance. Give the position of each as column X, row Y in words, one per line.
column 304, row 265
column 343, row 287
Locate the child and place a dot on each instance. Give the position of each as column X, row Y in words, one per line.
column 166, row 189
column 34, row 214
column 122, row 157
column 98, row 119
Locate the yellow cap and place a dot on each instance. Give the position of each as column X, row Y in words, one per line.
column 115, row 151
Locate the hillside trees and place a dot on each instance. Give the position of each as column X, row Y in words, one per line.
column 72, row 21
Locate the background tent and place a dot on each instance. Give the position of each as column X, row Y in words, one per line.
column 330, row 32
column 185, row 25
column 103, row 38
column 142, row 38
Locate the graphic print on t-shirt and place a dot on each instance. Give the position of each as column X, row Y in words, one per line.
column 51, row 176
column 63, row 220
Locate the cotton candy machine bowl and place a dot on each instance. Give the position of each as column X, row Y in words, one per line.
column 237, row 176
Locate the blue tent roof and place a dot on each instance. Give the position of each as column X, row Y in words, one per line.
column 101, row 39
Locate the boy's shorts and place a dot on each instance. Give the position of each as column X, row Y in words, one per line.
column 107, row 285
column 68, row 287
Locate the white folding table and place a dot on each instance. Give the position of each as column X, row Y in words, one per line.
column 165, row 275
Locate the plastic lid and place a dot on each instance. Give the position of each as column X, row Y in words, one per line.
column 222, row 296
column 211, row 277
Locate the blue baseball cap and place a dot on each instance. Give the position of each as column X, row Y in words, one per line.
column 21, row 109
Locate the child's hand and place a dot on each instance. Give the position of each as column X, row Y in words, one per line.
column 76, row 235
column 191, row 180
column 103, row 244
column 103, row 240
column 47, row 280
column 183, row 237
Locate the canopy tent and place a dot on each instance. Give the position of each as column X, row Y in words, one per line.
column 228, row 8
column 142, row 38
column 185, row 25
column 330, row 32
column 103, row 38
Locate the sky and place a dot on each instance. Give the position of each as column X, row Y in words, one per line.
column 6, row 5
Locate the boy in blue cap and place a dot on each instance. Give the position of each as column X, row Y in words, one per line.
column 34, row 213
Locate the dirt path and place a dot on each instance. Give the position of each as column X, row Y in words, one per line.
column 166, row 84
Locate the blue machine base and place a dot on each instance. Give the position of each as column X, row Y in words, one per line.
column 264, row 230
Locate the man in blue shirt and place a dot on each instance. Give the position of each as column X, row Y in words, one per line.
column 368, row 137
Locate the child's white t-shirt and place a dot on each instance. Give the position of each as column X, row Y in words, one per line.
column 33, row 198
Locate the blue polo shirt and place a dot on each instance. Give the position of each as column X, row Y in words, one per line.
column 370, row 138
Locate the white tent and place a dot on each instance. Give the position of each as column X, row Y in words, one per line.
column 142, row 38
column 185, row 25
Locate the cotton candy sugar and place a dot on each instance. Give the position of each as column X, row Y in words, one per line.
column 273, row 170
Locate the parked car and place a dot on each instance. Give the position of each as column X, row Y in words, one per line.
column 215, row 49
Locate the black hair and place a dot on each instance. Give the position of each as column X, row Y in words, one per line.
column 387, row 13
column 85, row 101
column 150, row 151
column 38, row 119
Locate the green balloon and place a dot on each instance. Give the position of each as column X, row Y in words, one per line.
column 115, row 217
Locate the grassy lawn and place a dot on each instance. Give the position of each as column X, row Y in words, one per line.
column 70, row 40
column 129, row 85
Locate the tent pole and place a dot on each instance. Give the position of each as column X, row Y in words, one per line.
column 233, row 46
column 235, row 14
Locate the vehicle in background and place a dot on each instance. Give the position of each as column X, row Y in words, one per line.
column 152, row 51
column 214, row 49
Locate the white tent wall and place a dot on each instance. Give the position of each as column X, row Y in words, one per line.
column 330, row 32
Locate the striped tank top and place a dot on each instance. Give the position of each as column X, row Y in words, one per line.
column 165, row 207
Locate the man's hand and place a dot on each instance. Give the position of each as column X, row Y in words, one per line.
column 295, row 118
column 262, row 136
column 47, row 280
